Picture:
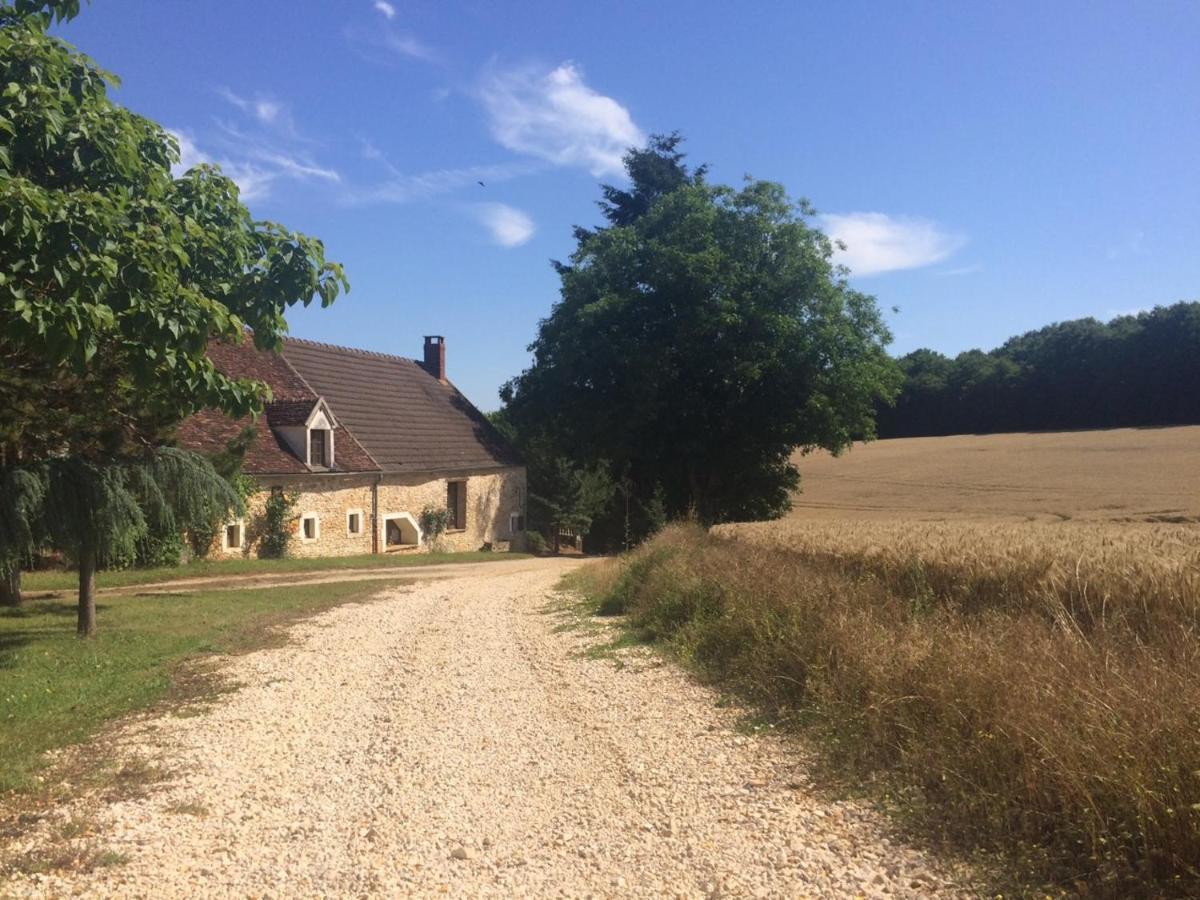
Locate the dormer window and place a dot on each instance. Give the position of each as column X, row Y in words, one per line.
column 308, row 428
column 318, row 444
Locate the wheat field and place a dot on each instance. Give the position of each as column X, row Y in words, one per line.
column 1117, row 475
column 1009, row 623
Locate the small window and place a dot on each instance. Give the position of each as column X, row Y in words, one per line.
column 354, row 521
column 310, row 528
column 231, row 539
column 317, row 444
column 516, row 523
column 456, row 505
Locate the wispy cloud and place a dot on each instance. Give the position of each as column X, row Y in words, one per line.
column 388, row 11
column 385, row 43
column 509, row 227
column 264, row 110
column 402, row 187
column 871, row 243
column 266, row 150
column 292, row 166
column 253, row 181
column 557, row 117
column 959, row 270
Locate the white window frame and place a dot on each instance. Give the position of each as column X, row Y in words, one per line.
column 361, row 523
column 512, row 522
column 316, row 528
column 407, row 517
column 226, row 547
column 320, row 420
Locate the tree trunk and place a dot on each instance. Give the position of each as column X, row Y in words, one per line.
column 557, row 540
column 87, row 593
column 10, row 586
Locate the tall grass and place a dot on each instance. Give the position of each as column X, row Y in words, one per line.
column 1027, row 691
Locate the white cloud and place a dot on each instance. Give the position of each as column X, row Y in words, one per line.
column 189, row 153
column 407, row 45
column 509, row 226
column 293, row 167
column 400, row 187
column 235, row 99
column 255, row 172
column 369, row 42
column 876, row 242
column 266, row 111
column 555, row 116
column 388, row 11
column 253, row 182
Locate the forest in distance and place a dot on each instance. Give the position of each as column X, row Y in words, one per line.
column 1135, row 370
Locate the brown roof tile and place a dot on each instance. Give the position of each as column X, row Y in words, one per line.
column 406, row 419
column 210, row 431
column 281, row 413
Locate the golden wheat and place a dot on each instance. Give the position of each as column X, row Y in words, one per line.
column 1035, row 685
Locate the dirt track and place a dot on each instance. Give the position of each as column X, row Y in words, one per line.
column 454, row 738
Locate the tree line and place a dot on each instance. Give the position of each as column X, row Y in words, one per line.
column 1135, row 370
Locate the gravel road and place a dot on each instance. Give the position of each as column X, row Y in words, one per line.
column 452, row 738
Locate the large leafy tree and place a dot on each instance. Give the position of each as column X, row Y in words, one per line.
column 115, row 275
column 702, row 336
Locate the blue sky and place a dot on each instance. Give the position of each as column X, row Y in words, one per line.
column 992, row 167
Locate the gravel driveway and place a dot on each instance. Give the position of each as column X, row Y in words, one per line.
column 452, row 738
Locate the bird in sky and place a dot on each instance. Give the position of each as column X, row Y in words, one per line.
column 481, row 184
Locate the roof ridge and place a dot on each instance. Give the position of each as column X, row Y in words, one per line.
column 375, row 354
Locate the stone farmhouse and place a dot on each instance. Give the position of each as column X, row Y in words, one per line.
column 368, row 441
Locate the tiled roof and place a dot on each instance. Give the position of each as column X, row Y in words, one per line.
column 406, row 419
column 210, row 431
column 281, row 413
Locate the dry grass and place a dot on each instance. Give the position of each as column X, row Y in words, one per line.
column 1025, row 689
column 1138, row 581
column 1124, row 474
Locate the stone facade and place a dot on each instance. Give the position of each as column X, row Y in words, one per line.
column 491, row 499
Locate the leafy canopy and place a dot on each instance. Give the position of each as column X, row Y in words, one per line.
column 114, row 277
column 701, row 337
column 114, row 274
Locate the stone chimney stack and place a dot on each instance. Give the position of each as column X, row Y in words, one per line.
column 435, row 356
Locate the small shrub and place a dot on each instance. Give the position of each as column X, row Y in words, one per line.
column 276, row 532
column 153, row 553
column 434, row 520
column 201, row 539
column 535, row 542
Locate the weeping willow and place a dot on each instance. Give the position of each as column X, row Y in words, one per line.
column 21, row 495
column 96, row 512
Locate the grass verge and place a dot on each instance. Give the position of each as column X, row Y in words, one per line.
column 1060, row 734
column 54, row 580
column 57, row 690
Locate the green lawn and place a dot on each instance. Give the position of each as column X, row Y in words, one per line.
column 207, row 568
column 56, row 689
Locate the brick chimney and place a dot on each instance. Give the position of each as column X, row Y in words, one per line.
column 435, row 356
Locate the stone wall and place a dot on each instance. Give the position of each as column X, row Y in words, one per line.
column 491, row 498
